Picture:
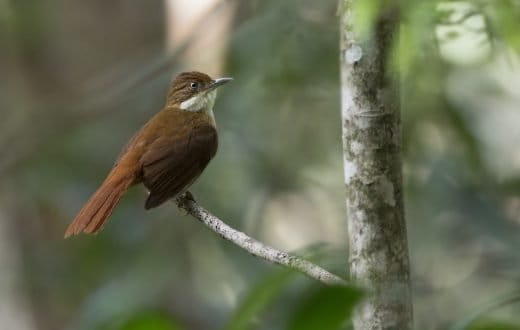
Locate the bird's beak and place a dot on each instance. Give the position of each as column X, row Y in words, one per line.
column 219, row 82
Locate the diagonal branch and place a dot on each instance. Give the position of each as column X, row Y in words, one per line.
column 187, row 202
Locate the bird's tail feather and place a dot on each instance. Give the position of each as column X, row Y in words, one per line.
column 100, row 206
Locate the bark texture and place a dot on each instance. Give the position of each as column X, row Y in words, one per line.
column 378, row 249
column 187, row 203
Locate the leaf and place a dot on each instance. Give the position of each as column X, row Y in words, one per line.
column 326, row 308
column 259, row 298
column 507, row 23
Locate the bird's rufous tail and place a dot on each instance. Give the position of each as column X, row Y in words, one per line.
column 99, row 207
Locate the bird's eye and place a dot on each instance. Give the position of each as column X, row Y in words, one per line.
column 194, row 85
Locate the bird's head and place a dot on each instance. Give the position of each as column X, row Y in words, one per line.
column 194, row 91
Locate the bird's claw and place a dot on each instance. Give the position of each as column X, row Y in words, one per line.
column 181, row 202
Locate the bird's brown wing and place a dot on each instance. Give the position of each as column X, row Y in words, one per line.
column 173, row 163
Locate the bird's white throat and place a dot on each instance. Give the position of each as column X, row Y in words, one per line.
column 200, row 102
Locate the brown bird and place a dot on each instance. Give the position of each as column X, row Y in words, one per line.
column 167, row 154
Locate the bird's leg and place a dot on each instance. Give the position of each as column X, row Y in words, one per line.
column 181, row 201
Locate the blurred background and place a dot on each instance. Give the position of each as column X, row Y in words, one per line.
column 78, row 78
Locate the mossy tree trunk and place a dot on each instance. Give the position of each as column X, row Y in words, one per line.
column 378, row 249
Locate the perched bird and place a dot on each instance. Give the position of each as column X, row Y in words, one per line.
column 167, row 154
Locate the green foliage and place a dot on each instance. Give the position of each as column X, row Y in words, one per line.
column 258, row 298
column 325, row 308
column 506, row 22
column 269, row 293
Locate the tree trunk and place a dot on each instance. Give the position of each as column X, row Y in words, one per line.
column 378, row 251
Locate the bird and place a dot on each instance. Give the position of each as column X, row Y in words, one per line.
column 166, row 155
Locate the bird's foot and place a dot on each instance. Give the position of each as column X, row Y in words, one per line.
column 182, row 200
